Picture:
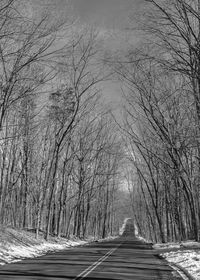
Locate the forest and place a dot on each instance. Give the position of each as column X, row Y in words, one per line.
column 69, row 165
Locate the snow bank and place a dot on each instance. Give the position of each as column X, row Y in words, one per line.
column 185, row 244
column 189, row 260
column 184, row 254
column 142, row 239
column 121, row 230
column 167, row 245
column 16, row 245
column 13, row 253
column 108, row 238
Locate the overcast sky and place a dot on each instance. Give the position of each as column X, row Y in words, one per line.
column 114, row 16
column 108, row 15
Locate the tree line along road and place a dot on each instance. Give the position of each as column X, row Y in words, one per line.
column 123, row 258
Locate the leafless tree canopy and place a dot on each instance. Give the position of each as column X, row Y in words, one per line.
column 59, row 151
column 65, row 159
column 162, row 121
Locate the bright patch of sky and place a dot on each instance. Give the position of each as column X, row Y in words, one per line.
column 116, row 21
column 107, row 13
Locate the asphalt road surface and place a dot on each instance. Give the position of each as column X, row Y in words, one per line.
column 123, row 258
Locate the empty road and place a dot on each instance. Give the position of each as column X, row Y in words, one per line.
column 123, row 258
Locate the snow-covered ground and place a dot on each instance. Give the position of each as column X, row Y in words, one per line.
column 13, row 253
column 16, row 245
column 184, row 254
column 121, row 230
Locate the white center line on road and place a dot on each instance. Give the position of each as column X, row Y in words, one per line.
column 88, row 270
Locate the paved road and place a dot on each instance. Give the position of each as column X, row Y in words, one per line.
column 123, row 258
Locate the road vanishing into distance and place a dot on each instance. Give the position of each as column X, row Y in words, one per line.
column 123, row 258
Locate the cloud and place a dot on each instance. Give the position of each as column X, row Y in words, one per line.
column 110, row 13
column 113, row 14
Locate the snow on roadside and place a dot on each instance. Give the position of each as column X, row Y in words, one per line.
column 13, row 253
column 184, row 254
column 142, row 239
column 185, row 244
column 110, row 237
column 189, row 259
column 121, row 230
column 16, row 245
